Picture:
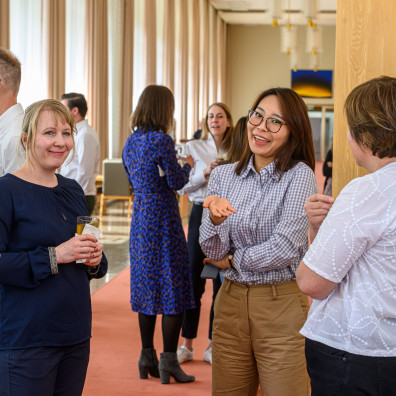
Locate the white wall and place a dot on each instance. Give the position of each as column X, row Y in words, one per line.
column 255, row 62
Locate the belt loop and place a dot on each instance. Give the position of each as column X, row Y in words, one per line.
column 273, row 291
column 228, row 285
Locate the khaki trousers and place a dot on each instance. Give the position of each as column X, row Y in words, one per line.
column 256, row 340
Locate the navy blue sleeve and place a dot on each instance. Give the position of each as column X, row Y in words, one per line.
column 176, row 176
column 22, row 268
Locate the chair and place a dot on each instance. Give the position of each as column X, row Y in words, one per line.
column 115, row 184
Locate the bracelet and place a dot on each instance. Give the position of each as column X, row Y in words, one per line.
column 92, row 270
column 53, row 261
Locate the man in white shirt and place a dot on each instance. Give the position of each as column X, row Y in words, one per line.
column 84, row 167
column 11, row 113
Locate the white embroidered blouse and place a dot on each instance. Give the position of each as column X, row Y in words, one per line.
column 356, row 247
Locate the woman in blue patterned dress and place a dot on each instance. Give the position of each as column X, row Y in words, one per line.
column 160, row 274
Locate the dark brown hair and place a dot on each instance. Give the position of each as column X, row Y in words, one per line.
column 76, row 100
column 227, row 111
column 238, row 140
column 299, row 147
column 370, row 110
column 154, row 110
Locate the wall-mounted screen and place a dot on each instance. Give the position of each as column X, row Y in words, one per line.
column 313, row 84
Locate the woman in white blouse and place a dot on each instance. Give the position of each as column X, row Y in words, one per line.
column 350, row 268
column 256, row 231
column 207, row 152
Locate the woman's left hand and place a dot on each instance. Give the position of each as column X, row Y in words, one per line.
column 222, row 263
column 96, row 256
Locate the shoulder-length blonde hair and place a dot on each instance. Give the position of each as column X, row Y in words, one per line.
column 227, row 111
column 30, row 120
column 154, row 110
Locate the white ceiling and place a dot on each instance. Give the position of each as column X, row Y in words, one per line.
column 255, row 12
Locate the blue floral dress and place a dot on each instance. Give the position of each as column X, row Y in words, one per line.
column 160, row 271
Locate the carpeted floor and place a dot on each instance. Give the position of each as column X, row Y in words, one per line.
column 115, row 348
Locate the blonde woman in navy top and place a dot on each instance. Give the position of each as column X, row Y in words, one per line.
column 45, row 305
column 255, row 230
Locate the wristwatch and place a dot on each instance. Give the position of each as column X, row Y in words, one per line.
column 230, row 260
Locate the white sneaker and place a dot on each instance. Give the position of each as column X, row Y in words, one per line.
column 184, row 354
column 208, row 355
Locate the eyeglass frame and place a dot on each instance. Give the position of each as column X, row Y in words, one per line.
column 250, row 112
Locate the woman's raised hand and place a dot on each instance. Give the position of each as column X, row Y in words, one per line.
column 219, row 208
column 316, row 207
column 208, row 170
column 189, row 160
column 78, row 248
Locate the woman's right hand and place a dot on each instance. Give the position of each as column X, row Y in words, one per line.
column 208, row 170
column 189, row 160
column 219, row 208
column 317, row 207
column 77, row 248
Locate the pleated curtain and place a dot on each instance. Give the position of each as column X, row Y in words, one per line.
column 5, row 23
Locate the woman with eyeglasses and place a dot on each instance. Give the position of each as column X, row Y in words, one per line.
column 255, row 230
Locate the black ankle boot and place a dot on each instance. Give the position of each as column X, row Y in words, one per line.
column 169, row 366
column 148, row 363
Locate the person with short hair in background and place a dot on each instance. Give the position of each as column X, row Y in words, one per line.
column 84, row 166
column 11, row 113
column 254, row 228
column 350, row 267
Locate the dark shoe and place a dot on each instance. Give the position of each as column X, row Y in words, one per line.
column 169, row 366
column 148, row 363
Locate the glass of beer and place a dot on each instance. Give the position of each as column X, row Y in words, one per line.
column 221, row 157
column 82, row 220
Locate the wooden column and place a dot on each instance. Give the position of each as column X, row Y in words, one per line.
column 365, row 48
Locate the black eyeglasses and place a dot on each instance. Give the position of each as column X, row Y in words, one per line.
column 272, row 124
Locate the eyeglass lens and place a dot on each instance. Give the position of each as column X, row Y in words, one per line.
column 272, row 124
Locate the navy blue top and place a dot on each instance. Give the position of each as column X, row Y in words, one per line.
column 36, row 307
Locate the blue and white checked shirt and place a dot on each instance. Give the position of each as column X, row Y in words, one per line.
column 269, row 231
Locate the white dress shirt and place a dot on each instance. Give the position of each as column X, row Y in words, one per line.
column 268, row 232
column 356, row 248
column 203, row 152
column 85, row 165
column 12, row 153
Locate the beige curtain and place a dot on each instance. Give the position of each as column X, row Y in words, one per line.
column 222, row 63
column 213, row 78
column 127, row 72
column 194, row 63
column 181, row 95
column 150, row 41
column 168, row 65
column 5, row 23
column 204, row 63
column 96, row 41
column 55, row 47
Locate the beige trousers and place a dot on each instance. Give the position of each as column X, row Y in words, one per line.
column 256, row 340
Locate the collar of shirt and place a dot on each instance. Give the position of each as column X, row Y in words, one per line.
column 269, row 171
column 9, row 114
column 80, row 125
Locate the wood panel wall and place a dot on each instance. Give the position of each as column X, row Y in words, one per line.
column 365, row 48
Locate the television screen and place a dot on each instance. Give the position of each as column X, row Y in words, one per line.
column 313, row 84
